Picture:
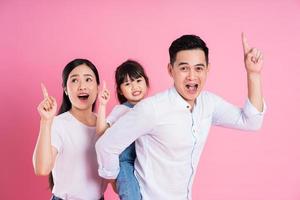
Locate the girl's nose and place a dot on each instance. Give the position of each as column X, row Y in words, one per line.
column 134, row 85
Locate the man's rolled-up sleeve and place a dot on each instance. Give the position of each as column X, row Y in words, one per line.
column 134, row 124
column 246, row 118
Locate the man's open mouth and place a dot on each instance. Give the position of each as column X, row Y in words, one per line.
column 191, row 87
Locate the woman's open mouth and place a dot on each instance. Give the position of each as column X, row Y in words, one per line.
column 83, row 97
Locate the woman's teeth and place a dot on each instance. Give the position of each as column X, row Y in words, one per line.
column 83, row 97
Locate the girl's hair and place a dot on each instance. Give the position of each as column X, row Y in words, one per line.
column 134, row 70
column 66, row 103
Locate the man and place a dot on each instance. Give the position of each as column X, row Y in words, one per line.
column 170, row 128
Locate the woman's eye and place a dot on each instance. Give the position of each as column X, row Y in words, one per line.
column 89, row 79
column 74, row 80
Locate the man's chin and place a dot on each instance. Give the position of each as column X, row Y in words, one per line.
column 192, row 95
column 190, row 98
column 188, row 95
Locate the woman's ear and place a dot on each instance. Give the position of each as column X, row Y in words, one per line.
column 65, row 90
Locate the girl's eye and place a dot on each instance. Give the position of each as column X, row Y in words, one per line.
column 139, row 80
column 126, row 84
column 89, row 79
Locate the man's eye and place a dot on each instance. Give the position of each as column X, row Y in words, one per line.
column 183, row 68
column 199, row 69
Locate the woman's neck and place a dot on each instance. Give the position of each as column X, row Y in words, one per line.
column 86, row 117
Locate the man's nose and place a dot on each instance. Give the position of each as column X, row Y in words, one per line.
column 191, row 74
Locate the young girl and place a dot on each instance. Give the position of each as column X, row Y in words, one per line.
column 132, row 85
column 65, row 145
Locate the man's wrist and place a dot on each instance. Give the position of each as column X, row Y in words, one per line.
column 254, row 75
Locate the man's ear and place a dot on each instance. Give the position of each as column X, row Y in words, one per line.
column 208, row 67
column 170, row 69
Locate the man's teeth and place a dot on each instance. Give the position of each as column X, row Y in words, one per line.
column 192, row 86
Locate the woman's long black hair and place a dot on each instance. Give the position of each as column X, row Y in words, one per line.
column 66, row 103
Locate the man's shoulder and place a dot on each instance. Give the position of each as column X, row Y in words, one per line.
column 159, row 97
column 207, row 95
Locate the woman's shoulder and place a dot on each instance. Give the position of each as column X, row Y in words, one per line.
column 62, row 118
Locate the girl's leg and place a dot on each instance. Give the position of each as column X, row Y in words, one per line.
column 127, row 185
column 55, row 198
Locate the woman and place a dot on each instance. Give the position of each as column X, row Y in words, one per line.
column 65, row 144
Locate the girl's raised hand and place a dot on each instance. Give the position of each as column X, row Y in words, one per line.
column 48, row 107
column 104, row 95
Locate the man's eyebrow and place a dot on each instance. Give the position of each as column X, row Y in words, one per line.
column 197, row 65
column 200, row 64
column 183, row 63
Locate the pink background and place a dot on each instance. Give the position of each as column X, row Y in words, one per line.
column 38, row 38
